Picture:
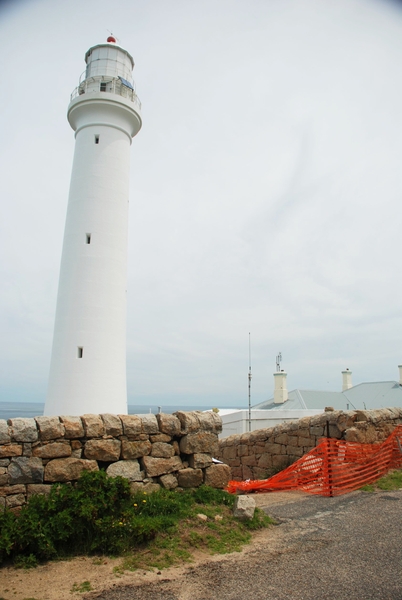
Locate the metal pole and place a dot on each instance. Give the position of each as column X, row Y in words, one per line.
column 249, row 382
column 329, row 465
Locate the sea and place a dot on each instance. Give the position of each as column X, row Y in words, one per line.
column 11, row 410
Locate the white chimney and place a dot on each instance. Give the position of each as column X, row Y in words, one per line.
column 400, row 374
column 346, row 380
column 280, row 389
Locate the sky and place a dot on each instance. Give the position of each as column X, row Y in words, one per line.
column 265, row 191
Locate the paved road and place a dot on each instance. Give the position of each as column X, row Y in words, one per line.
column 323, row 549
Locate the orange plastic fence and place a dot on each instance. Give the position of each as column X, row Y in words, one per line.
column 332, row 468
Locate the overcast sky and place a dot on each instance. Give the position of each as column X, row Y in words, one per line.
column 266, row 189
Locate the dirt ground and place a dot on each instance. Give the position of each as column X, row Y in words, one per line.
column 58, row 580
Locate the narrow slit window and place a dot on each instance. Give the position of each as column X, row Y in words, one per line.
column 80, row 352
column 88, row 238
column 97, row 139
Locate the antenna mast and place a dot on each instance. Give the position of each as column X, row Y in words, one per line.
column 249, row 382
column 278, row 362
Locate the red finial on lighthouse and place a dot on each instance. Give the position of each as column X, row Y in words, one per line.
column 111, row 39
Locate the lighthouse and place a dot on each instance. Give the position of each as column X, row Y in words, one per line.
column 88, row 363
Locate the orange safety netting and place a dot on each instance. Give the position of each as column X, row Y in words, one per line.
column 332, row 468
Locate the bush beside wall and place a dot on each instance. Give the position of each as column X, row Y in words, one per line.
column 261, row 453
column 150, row 451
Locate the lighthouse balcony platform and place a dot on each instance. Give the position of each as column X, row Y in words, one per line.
column 111, row 85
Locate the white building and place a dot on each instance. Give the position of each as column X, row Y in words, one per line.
column 88, row 364
column 298, row 403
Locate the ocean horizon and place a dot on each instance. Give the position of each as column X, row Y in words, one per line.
column 11, row 410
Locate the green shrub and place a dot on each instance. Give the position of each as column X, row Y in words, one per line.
column 208, row 495
column 25, row 562
column 164, row 502
column 98, row 515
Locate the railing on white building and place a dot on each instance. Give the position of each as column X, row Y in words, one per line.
column 110, row 85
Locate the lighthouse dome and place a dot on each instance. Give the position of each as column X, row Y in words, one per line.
column 109, row 60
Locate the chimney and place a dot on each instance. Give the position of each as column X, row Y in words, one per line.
column 280, row 390
column 400, row 374
column 346, row 380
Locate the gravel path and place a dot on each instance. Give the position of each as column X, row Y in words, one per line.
column 323, row 548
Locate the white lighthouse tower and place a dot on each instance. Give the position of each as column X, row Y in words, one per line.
column 88, row 365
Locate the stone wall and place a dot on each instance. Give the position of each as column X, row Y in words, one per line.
column 151, row 451
column 259, row 454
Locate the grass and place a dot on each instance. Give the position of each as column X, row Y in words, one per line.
column 191, row 535
column 85, row 586
column 390, row 482
column 98, row 516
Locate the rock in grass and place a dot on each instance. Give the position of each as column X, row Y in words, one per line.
column 244, row 508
